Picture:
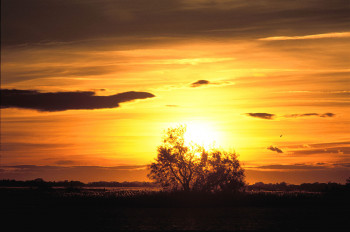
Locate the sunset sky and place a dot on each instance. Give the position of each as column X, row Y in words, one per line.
column 89, row 86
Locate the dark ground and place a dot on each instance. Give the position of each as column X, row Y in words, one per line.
column 96, row 210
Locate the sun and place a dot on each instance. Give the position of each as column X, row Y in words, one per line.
column 201, row 133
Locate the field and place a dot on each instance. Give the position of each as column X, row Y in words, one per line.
column 140, row 209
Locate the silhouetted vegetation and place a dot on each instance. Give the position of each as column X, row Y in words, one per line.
column 257, row 187
column 270, row 194
column 121, row 184
column 191, row 168
column 75, row 184
column 113, row 209
column 306, row 187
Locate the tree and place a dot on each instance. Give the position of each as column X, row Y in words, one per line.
column 190, row 168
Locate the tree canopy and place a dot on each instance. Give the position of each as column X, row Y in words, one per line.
column 179, row 166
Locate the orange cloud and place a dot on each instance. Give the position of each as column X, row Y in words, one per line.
column 315, row 36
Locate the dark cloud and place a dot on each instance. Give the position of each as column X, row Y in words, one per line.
column 200, row 83
column 38, row 21
column 60, row 101
column 276, row 149
column 261, row 115
column 325, row 115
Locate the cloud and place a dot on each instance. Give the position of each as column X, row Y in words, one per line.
column 261, row 115
column 320, row 145
column 333, row 144
column 271, row 116
column 331, row 150
column 346, row 165
column 276, row 149
column 60, row 101
column 200, row 83
column 55, row 21
column 316, row 36
column 325, row 115
column 341, row 148
column 26, row 146
column 65, row 162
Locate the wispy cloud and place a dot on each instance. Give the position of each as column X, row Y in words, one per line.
column 65, row 162
column 192, row 61
column 272, row 116
column 315, row 36
column 292, row 166
column 331, row 150
column 340, row 148
column 320, row 145
column 332, row 144
column 27, row 146
column 325, row 115
column 60, row 101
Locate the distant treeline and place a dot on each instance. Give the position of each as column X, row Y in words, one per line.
column 120, row 184
column 259, row 186
column 307, row 187
column 41, row 183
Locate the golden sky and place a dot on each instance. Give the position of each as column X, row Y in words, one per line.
column 89, row 86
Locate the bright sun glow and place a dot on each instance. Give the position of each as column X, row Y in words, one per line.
column 202, row 134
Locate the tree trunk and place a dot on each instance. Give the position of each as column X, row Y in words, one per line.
column 186, row 187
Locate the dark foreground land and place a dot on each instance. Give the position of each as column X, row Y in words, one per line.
column 35, row 209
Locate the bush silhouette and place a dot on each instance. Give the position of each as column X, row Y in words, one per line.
column 191, row 168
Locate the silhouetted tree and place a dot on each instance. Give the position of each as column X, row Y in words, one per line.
column 182, row 167
column 219, row 171
column 347, row 184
